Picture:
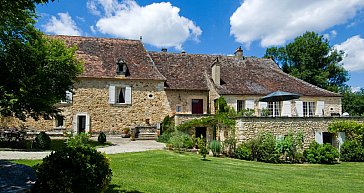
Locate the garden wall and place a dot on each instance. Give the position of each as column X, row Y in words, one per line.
column 248, row 127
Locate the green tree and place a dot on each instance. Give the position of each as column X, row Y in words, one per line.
column 353, row 102
column 36, row 71
column 311, row 58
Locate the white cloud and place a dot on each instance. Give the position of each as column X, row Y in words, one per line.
column 354, row 53
column 355, row 89
column 330, row 35
column 273, row 22
column 62, row 26
column 93, row 30
column 160, row 24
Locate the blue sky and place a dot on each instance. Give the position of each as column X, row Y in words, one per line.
column 215, row 26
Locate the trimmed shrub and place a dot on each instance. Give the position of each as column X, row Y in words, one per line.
column 243, row 152
column 321, row 153
column 164, row 138
column 352, row 151
column 264, row 148
column 42, row 141
column 215, row 147
column 73, row 169
column 101, row 138
column 81, row 139
column 201, row 144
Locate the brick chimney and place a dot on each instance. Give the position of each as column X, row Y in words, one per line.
column 216, row 72
column 239, row 52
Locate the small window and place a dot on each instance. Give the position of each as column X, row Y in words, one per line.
column 119, row 94
column 121, row 68
column 240, row 105
column 178, row 108
column 59, row 121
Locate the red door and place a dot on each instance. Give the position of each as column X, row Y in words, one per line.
column 197, row 106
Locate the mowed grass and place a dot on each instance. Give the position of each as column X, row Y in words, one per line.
column 165, row 171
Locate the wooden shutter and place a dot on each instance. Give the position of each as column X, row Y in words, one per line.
column 69, row 97
column 87, row 127
column 249, row 104
column 318, row 137
column 320, row 108
column 286, row 109
column 128, row 95
column 235, row 105
column 263, row 105
column 341, row 137
column 112, row 94
column 299, row 108
column 74, row 124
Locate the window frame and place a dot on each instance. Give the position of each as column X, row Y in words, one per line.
column 275, row 108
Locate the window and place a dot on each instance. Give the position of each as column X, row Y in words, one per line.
column 178, row 108
column 121, row 68
column 274, row 108
column 239, row 105
column 59, row 121
column 69, row 97
column 119, row 94
column 308, row 109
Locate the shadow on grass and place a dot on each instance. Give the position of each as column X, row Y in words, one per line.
column 205, row 159
column 113, row 188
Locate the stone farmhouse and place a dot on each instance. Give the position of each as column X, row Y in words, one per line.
column 125, row 86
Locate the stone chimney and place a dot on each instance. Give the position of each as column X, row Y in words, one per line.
column 216, row 72
column 164, row 50
column 239, row 52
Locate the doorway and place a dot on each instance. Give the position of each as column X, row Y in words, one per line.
column 81, row 127
column 200, row 131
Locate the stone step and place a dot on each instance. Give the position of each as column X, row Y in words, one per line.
column 147, row 136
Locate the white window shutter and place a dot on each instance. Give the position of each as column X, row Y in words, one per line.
column 286, row 109
column 87, row 128
column 320, row 108
column 299, row 108
column 112, row 94
column 263, row 105
column 341, row 137
column 235, row 105
column 249, row 104
column 74, row 124
column 128, row 95
column 69, row 97
column 318, row 137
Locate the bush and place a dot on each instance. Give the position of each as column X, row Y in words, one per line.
column 321, row 153
column 180, row 140
column 164, row 138
column 215, row 147
column 101, row 138
column 81, row 139
column 42, row 141
column 352, row 151
column 291, row 147
column 73, row 169
column 243, row 152
column 201, row 144
column 264, row 148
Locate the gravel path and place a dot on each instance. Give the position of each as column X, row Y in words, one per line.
column 120, row 145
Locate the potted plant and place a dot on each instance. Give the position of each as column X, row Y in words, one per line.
column 126, row 133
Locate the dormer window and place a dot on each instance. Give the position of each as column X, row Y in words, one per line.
column 121, row 68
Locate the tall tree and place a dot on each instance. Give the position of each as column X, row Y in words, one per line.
column 352, row 102
column 36, row 71
column 311, row 58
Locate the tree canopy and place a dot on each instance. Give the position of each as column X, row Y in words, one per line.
column 353, row 102
column 36, row 71
column 311, row 58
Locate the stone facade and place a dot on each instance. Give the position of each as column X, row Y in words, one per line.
column 184, row 98
column 148, row 107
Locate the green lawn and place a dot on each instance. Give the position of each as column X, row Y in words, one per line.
column 164, row 171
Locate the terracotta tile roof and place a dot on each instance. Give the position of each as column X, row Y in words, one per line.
column 251, row 76
column 101, row 54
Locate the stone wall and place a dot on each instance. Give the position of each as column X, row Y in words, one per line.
column 184, row 99
column 248, row 127
column 149, row 104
